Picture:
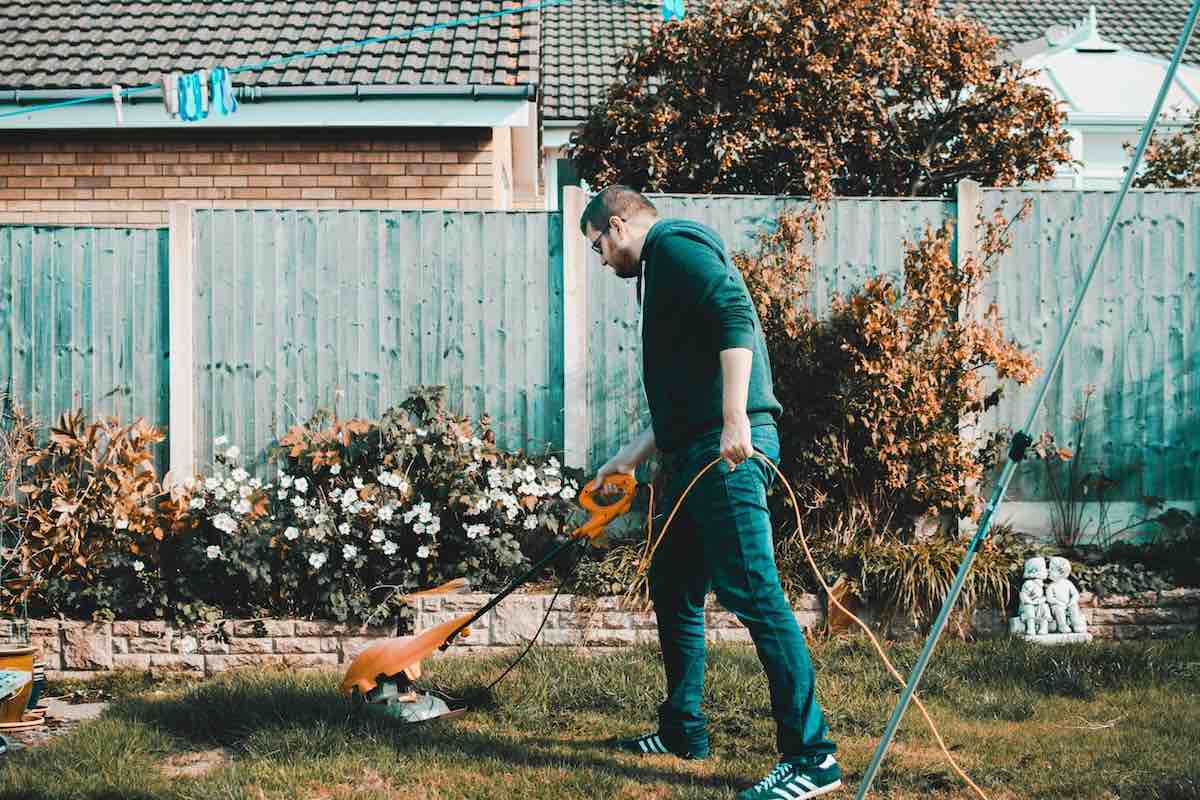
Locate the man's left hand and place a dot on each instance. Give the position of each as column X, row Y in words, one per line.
column 735, row 440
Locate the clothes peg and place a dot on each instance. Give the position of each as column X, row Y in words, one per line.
column 169, row 81
column 223, row 100
column 673, row 9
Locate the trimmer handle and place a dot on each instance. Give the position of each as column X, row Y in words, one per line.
column 604, row 514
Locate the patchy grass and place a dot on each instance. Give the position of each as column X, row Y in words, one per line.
column 1102, row 721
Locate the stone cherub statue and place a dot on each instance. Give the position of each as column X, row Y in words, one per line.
column 1033, row 611
column 1062, row 598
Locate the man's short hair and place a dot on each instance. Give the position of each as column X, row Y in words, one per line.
column 615, row 201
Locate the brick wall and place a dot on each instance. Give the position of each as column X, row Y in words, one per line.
column 128, row 178
column 73, row 649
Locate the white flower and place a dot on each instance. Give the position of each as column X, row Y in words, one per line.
column 567, row 493
column 196, row 503
column 321, row 517
column 224, row 522
column 255, row 483
column 344, row 529
column 212, row 551
column 377, row 535
column 242, row 506
column 419, row 528
column 229, row 486
column 298, row 501
column 389, row 547
column 349, row 496
column 317, row 559
column 245, row 491
column 531, row 522
column 211, row 483
column 433, row 526
column 511, row 513
column 285, row 480
column 187, row 644
column 291, row 533
column 336, row 493
column 317, row 534
column 232, row 453
column 219, row 494
column 421, row 432
column 301, row 485
column 475, row 531
column 349, row 551
column 358, row 484
column 422, row 552
column 239, row 474
column 138, row 566
column 335, row 469
column 385, row 513
column 220, row 441
column 283, row 495
column 302, row 512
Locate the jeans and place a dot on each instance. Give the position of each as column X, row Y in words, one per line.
column 721, row 540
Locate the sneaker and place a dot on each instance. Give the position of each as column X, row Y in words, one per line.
column 653, row 744
column 796, row 781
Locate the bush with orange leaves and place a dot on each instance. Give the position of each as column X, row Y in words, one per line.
column 858, row 97
column 1173, row 161
column 876, row 393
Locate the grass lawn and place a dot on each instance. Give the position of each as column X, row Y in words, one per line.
column 1100, row 721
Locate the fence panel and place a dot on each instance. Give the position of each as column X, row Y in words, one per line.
column 297, row 310
column 83, row 322
column 1137, row 339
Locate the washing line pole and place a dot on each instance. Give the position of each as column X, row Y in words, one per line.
column 1021, row 440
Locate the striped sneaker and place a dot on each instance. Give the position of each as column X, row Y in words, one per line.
column 653, row 744
column 796, row 781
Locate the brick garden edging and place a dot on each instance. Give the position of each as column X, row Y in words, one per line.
column 77, row 649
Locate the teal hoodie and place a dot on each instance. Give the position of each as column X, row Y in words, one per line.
column 694, row 305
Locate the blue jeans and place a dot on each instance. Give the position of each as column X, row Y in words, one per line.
column 721, row 540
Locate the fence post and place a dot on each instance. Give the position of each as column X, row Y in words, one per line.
column 967, row 210
column 576, row 416
column 181, row 427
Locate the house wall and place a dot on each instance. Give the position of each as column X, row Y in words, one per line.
column 129, row 178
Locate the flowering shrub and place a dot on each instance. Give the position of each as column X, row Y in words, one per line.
column 359, row 513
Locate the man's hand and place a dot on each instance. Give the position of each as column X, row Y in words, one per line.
column 614, row 466
column 735, row 440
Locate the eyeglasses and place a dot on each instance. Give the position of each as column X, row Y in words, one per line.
column 596, row 241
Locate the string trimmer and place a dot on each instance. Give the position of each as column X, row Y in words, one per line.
column 383, row 677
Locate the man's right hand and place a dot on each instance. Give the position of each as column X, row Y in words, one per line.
column 612, row 467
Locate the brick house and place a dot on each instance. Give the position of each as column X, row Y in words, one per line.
column 445, row 119
column 474, row 116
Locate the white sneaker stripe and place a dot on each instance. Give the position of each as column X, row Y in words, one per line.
column 828, row 762
column 783, row 794
column 658, row 742
column 806, row 783
column 642, row 742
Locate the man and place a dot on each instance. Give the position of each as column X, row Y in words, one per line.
column 708, row 384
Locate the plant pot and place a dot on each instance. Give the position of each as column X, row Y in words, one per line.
column 18, row 657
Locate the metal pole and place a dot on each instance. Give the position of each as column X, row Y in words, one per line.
column 1021, row 439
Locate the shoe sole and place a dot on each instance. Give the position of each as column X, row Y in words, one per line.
column 823, row 790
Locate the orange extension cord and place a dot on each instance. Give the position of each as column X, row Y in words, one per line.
column 652, row 545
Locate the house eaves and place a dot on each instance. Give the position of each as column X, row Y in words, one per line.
column 327, row 106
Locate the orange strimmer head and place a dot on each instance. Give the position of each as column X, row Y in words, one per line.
column 383, row 675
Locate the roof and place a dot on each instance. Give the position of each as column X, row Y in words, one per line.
column 581, row 46
column 83, row 45
column 583, row 42
column 1147, row 26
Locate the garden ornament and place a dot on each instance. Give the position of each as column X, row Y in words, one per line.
column 1033, row 611
column 383, row 676
column 1063, row 599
